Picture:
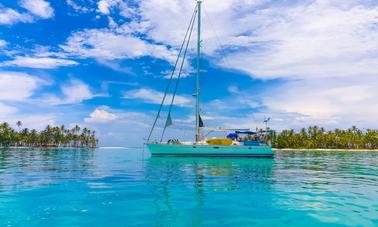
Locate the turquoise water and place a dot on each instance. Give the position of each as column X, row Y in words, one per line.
column 125, row 188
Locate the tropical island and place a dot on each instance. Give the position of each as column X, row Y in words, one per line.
column 315, row 137
column 51, row 136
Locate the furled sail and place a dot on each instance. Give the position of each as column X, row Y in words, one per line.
column 200, row 123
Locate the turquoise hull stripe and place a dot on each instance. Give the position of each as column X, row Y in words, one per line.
column 208, row 150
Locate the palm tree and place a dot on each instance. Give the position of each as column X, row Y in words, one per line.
column 50, row 136
column 75, row 130
column 19, row 124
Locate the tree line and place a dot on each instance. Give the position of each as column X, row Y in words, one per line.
column 51, row 136
column 316, row 137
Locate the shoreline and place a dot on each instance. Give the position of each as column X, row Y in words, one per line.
column 320, row 149
column 48, row 147
column 121, row 148
column 101, row 148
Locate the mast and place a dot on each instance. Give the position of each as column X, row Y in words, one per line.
column 198, row 135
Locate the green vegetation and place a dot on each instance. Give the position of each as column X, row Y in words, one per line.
column 317, row 138
column 49, row 137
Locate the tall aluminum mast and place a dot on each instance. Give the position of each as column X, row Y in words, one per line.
column 198, row 134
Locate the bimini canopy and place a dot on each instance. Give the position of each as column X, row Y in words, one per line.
column 247, row 132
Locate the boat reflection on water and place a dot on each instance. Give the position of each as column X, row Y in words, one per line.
column 223, row 174
column 182, row 183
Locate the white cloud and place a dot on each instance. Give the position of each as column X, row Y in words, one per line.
column 328, row 103
column 78, row 7
column 315, row 40
column 34, row 121
column 103, row 6
column 236, row 102
column 108, row 45
column 324, row 50
column 11, row 16
column 6, row 109
column 113, row 133
column 20, row 87
column 39, row 62
column 74, row 92
column 15, row 86
column 100, row 115
column 155, row 97
column 3, row 43
column 77, row 91
column 333, row 102
column 162, row 26
column 31, row 121
column 221, row 20
column 112, row 23
column 291, row 40
column 40, row 8
column 117, row 67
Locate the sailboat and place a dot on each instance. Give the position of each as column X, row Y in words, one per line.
column 238, row 143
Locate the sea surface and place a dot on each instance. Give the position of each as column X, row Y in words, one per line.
column 127, row 187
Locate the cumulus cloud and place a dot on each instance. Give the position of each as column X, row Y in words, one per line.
column 12, row 114
column 316, row 40
column 221, row 20
column 324, row 52
column 36, row 9
column 113, row 133
column 6, row 109
column 20, row 87
column 77, row 91
column 104, row 44
column 105, row 6
column 270, row 39
column 36, row 121
column 40, row 8
column 11, row 16
column 295, row 104
column 39, row 62
column 332, row 102
column 155, row 97
column 17, row 86
column 3, row 43
column 317, row 49
column 100, row 115
column 78, row 7
column 73, row 92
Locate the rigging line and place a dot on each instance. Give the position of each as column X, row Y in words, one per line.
column 224, row 56
column 178, row 79
column 173, row 72
column 217, row 38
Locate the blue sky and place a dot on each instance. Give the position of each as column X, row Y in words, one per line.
column 103, row 64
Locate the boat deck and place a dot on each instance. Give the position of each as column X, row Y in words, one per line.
column 163, row 149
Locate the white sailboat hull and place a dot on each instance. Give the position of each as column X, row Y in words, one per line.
column 162, row 149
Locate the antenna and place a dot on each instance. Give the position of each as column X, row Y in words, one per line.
column 266, row 120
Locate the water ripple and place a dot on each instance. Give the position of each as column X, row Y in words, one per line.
column 121, row 188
